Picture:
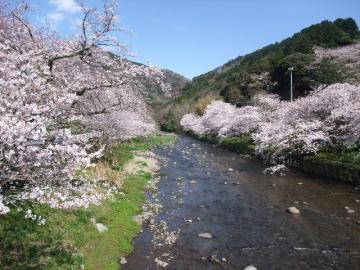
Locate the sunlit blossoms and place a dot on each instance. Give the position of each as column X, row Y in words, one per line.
column 223, row 120
column 45, row 81
column 327, row 117
column 245, row 121
column 3, row 208
column 122, row 125
column 216, row 116
column 31, row 98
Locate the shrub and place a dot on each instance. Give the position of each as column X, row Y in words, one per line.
column 242, row 144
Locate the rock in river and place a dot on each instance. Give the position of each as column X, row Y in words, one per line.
column 205, row 235
column 293, row 210
column 250, row 267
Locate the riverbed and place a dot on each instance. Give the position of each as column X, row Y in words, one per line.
column 242, row 216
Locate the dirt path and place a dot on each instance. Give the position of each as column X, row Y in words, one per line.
column 203, row 189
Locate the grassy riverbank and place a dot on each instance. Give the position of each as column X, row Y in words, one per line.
column 69, row 240
column 341, row 166
column 241, row 144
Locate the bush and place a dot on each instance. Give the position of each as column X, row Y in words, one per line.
column 242, row 144
column 351, row 156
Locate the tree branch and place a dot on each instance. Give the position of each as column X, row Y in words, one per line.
column 26, row 25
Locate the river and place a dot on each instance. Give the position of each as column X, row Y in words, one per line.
column 204, row 189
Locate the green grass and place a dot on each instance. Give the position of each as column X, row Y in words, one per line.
column 69, row 239
column 26, row 245
column 242, row 144
column 350, row 156
column 333, row 169
column 105, row 249
column 121, row 153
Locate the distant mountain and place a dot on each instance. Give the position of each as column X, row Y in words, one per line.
column 323, row 53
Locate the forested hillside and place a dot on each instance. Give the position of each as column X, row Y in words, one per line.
column 323, row 53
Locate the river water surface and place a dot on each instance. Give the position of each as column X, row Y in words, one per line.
column 204, row 189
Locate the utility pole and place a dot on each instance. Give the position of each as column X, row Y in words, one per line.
column 291, row 69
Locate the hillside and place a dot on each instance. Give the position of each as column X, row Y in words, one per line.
column 323, row 53
column 153, row 91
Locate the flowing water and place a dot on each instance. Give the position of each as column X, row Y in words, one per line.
column 245, row 213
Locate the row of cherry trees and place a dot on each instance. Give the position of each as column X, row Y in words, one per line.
column 46, row 80
column 328, row 117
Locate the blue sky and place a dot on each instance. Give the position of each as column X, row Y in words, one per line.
column 192, row 37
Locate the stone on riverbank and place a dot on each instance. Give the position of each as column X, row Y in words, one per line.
column 123, row 261
column 101, row 227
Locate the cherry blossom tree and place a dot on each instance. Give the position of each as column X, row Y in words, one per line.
column 246, row 120
column 223, row 120
column 45, row 80
column 329, row 117
column 192, row 123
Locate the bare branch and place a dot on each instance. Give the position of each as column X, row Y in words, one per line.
column 26, row 25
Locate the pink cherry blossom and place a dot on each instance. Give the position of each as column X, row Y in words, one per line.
column 46, row 80
column 328, row 116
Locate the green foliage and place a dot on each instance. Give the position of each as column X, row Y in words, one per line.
column 325, row 34
column 350, row 156
column 169, row 124
column 208, row 138
column 104, row 250
column 303, row 76
column 118, row 155
column 242, row 144
column 348, row 26
column 332, row 168
column 234, row 95
column 26, row 245
column 160, row 140
column 339, row 164
column 327, row 72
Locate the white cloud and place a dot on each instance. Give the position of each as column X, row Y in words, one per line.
column 64, row 12
column 54, row 19
column 69, row 6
